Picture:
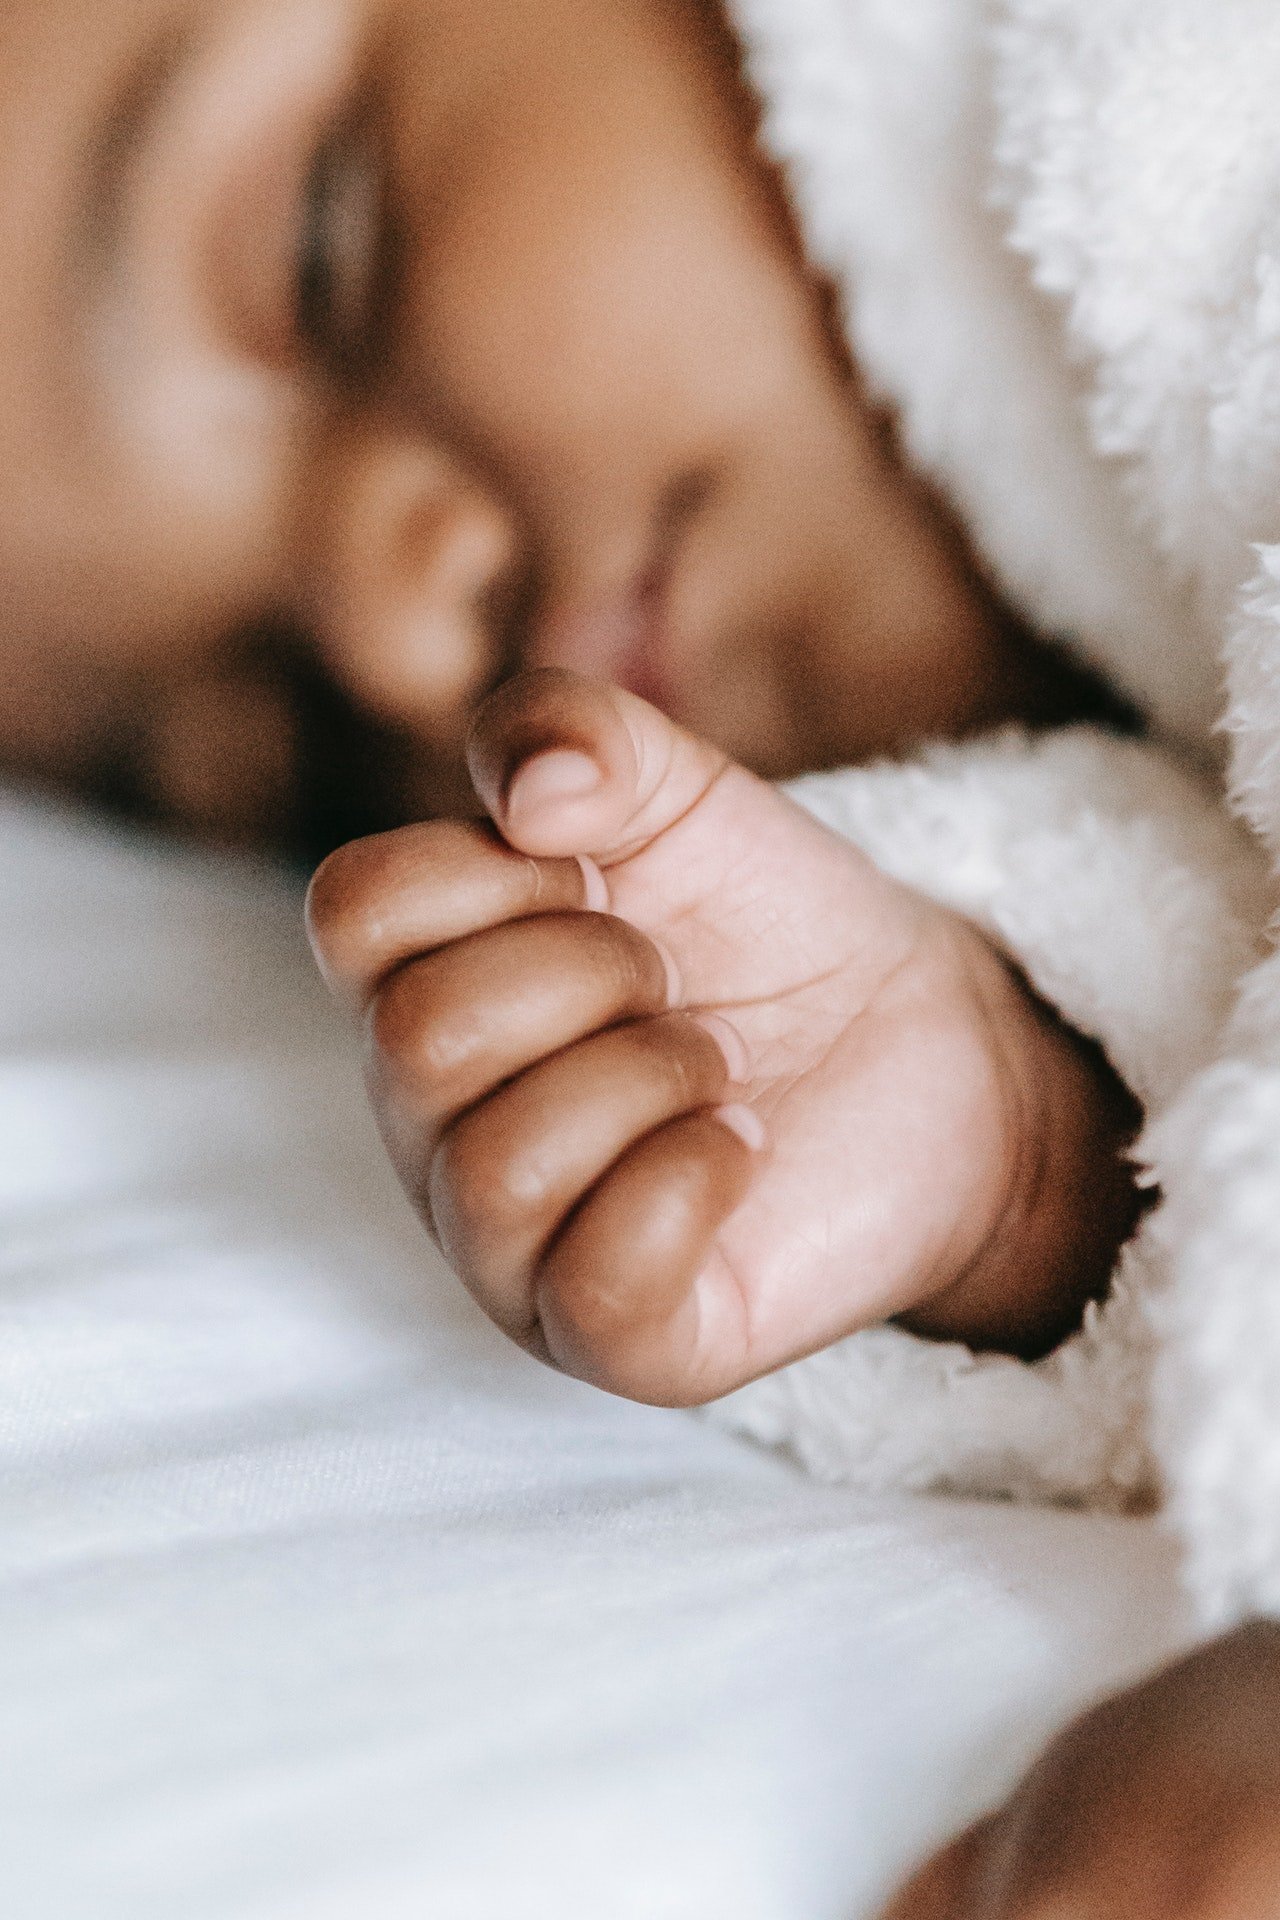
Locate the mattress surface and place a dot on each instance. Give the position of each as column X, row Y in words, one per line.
column 319, row 1600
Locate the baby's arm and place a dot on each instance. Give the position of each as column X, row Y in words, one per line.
column 909, row 1131
column 1161, row 1804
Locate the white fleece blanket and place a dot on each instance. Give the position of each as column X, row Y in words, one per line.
column 318, row 1600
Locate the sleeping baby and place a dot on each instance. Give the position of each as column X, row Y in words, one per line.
column 770, row 388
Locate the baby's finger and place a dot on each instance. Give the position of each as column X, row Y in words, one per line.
column 620, row 1295
column 568, row 765
column 449, row 1028
column 509, row 1172
column 378, row 902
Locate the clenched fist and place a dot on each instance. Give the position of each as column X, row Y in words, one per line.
column 686, row 1088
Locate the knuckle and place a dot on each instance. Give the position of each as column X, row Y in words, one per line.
column 484, row 1192
column 524, row 1181
column 594, row 1310
column 458, row 1186
column 601, row 1337
column 413, row 1036
column 496, row 1188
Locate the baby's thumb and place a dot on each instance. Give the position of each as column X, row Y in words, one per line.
column 567, row 765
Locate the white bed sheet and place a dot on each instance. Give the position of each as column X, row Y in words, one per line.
column 316, row 1599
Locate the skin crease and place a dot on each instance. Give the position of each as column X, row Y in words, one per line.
column 238, row 553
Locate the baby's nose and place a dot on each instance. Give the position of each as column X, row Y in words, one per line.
column 408, row 582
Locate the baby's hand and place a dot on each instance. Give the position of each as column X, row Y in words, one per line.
column 1161, row 1804
column 686, row 1088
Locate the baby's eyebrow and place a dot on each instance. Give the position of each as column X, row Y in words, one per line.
column 116, row 140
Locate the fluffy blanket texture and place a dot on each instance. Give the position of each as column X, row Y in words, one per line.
column 1056, row 228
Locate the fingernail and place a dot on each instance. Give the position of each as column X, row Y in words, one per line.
column 675, row 979
column 595, row 888
column 562, row 774
column 747, row 1125
column 730, row 1042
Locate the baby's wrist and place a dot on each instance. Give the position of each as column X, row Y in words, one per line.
column 1069, row 1199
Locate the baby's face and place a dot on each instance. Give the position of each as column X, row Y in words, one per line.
column 408, row 340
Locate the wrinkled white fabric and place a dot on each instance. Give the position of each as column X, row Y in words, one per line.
column 320, row 1602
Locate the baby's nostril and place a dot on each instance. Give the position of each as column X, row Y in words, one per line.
column 681, row 503
column 507, row 609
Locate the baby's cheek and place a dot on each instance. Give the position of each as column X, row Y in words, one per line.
column 219, row 757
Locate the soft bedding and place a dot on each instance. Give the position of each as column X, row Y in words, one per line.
column 318, row 1600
